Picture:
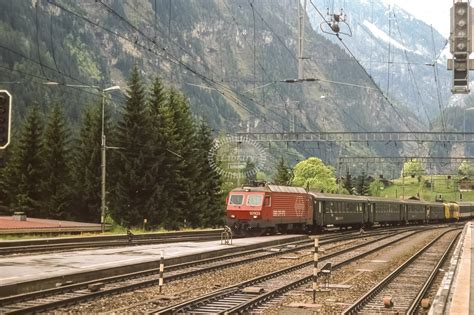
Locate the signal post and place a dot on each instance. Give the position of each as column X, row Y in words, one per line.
column 461, row 45
column 5, row 118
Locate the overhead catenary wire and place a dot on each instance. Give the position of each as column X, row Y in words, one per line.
column 206, row 79
column 51, row 37
column 254, row 45
column 322, row 80
column 224, row 90
column 438, row 88
column 37, row 39
column 389, row 47
column 410, row 71
column 45, row 79
column 365, row 71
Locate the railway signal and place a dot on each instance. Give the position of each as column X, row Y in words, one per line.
column 460, row 46
column 5, row 118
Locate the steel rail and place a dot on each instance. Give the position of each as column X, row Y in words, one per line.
column 186, row 306
column 429, row 282
column 29, row 298
column 362, row 301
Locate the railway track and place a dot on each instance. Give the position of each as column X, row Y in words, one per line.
column 73, row 294
column 27, row 247
column 248, row 295
column 402, row 291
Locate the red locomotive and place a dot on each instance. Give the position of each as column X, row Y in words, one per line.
column 259, row 210
column 272, row 209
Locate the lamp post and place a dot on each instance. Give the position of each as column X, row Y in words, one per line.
column 103, row 158
column 103, row 142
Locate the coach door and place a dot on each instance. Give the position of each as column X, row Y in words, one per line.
column 361, row 208
column 371, row 217
column 403, row 214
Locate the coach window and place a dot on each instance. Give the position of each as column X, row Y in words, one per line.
column 236, row 199
column 254, row 200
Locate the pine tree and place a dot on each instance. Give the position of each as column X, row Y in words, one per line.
column 159, row 202
column 56, row 182
column 187, row 175
column 209, row 196
column 24, row 171
column 282, row 176
column 86, row 168
column 347, row 184
column 133, row 162
column 362, row 185
column 250, row 173
column 171, row 171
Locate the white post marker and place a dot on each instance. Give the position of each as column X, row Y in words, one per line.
column 162, row 269
column 315, row 269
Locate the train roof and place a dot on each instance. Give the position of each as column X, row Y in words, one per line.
column 434, row 203
column 323, row 196
column 271, row 188
column 413, row 201
column 382, row 199
column 465, row 203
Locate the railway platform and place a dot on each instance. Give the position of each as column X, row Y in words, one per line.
column 456, row 293
column 28, row 273
column 12, row 225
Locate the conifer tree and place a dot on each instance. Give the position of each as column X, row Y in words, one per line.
column 24, row 171
column 282, row 176
column 86, row 169
column 209, row 196
column 171, row 172
column 160, row 201
column 56, row 189
column 131, row 170
column 187, row 172
column 347, row 184
column 362, row 185
column 250, row 173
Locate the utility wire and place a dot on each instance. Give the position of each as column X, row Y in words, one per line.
column 53, row 53
column 410, row 71
column 37, row 39
column 37, row 79
column 206, row 79
column 365, row 71
column 322, row 80
column 438, row 88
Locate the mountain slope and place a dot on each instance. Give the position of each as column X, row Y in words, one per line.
column 383, row 33
column 227, row 56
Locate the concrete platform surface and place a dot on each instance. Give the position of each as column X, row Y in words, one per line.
column 18, row 269
column 456, row 294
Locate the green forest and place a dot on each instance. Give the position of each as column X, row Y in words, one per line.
column 157, row 163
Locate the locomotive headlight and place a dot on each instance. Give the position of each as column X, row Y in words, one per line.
column 255, row 216
column 232, row 216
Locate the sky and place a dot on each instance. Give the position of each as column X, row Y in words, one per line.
column 432, row 12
